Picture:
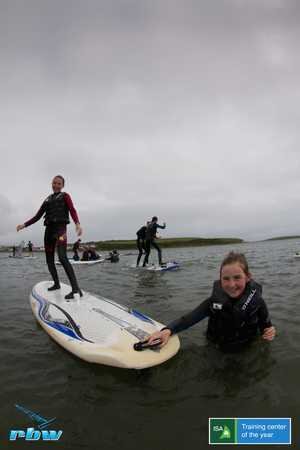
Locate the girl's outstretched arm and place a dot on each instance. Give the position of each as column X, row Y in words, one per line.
column 184, row 322
column 34, row 219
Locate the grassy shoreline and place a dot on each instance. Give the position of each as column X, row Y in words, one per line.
column 282, row 238
column 167, row 243
column 125, row 244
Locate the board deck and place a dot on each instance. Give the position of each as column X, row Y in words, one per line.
column 97, row 329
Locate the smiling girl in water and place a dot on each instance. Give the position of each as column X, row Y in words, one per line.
column 236, row 310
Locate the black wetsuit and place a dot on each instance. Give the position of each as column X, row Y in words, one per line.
column 76, row 247
column 113, row 257
column 232, row 323
column 150, row 241
column 93, row 255
column 56, row 210
column 140, row 242
column 85, row 255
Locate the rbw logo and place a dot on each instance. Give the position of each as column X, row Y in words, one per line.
column 30, row 434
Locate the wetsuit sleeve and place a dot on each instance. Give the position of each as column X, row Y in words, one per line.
column 71, row 208
column 190, row 319
column 264, row 320
column 37, row 217
column 161, row 226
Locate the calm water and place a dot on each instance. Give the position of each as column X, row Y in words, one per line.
column 165, row 407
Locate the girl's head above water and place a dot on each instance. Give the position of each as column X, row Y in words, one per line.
column 234, row 274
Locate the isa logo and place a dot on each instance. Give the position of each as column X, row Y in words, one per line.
column 250, row 430
column 33, row 434
column 222, row 431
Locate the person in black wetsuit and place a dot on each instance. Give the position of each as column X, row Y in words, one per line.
column 85, row 254
column 236, row 310
column 30, row 247
column 56, row 210
column 75, row 249
column 140, row 242
column 150, row 240
column 113, row 257
column 92, row 254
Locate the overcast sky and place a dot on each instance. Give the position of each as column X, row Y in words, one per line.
column 189, row 110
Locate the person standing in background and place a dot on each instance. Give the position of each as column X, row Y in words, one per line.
column 150, row 239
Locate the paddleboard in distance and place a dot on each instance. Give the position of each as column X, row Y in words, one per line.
column 98, row 330
column 22, row 257
column 171, row 265
column 90, row 262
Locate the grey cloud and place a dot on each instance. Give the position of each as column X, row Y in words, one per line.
column 188, row 110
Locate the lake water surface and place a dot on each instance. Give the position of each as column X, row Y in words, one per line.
column 166, row 407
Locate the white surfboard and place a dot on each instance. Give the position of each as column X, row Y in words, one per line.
column 97, row 329
column 171, row 265
column 22, row 256
column 297, row 255
column 84, row 263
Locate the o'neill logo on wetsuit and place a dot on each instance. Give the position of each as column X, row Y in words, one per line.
column 251, row 295
column 218, row 306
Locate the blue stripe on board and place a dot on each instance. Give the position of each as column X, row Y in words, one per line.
column 141, row 316
column 43, row 303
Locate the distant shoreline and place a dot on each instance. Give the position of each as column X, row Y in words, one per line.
column 281, row 238
column 129, row 244
column 123, row 244
column 167, row 243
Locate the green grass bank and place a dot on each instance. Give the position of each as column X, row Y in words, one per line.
column 167, row 243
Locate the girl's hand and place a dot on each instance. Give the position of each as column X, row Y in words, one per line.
column 269, row 333
column 20, row 227
column 164, row 336
column 78, row 229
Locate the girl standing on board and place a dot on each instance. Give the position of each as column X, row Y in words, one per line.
column 236, row 310
column 56, row 210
